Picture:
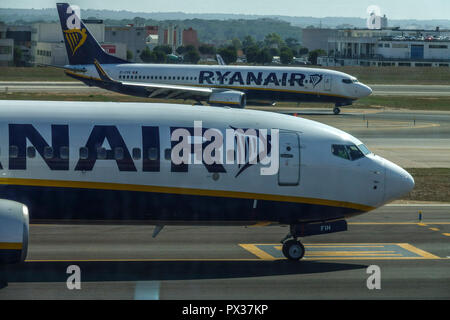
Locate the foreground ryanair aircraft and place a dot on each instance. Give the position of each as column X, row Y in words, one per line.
column 183, row 165
column 217, row 85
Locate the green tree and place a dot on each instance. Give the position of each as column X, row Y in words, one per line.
column 147, row 55
column 163, row 48
column 264, row 56
column 313, row 55
column 180, row 50
column 228, row 54
column 192, row 56
column 286, row 55
column 129, row 55
column 248, row 42
column 273, row 40
column 207, row 49
column 252, row 54
column 236, row 43
column 17, row 56
column 302, row 51
column 274, row 51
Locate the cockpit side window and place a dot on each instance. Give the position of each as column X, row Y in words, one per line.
column 350, row 152
column 340, row 151
column 350, row 81
column 355, row 153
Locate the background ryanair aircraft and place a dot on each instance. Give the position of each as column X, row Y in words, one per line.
column 217, row 85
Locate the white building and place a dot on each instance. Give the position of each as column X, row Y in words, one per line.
column 6, row 48
column 47, row 43
column 388, row 47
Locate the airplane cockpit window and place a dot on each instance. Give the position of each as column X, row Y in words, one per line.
column 349, row 152
column 364, row 149
column 355, row 153
column 340, row 151
column 350, row 81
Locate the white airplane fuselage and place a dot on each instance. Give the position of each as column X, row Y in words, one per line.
column 258, row 83
column 113, row 162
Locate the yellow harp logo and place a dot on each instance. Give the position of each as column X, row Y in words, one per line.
column 75, row 38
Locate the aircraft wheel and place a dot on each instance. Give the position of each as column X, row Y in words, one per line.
column 336, row 111
column 293, row 250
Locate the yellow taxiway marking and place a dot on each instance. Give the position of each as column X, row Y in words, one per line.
column 344, row 251
column 418, row 251
column 138, row 260
column 434, row 229
column 257, row 252
column 446, row 234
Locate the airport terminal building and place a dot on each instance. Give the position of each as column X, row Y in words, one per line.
column 47, row 44
column 388, row 47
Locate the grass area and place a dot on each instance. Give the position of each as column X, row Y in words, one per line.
column 405, row 102
column 369, row 75
column 109, row 97
column 431, row 185
column 32, row 74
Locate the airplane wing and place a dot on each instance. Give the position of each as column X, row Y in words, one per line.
column 156, row 90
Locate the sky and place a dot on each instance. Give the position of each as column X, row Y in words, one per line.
column 394, row 9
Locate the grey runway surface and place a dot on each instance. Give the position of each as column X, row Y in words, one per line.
column 124, row 262
column 79, row 87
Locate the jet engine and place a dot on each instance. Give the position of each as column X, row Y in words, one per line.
column 14, row 230
column 234, row 99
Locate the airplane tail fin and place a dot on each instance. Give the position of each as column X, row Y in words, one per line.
column 81, row 46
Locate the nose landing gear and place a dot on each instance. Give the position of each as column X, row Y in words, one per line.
column 336, row 110
column 293, row 250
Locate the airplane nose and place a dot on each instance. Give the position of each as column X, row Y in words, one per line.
column 398, row 182
column 364, row 90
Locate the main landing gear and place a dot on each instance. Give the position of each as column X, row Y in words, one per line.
column 336, row 110
column 292, row 249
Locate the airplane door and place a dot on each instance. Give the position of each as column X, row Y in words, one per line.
column 327, row 83
column 289, row 171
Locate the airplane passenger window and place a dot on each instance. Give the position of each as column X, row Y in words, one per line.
column 168, row 154
column 153, row 154
column 64, row 153
column 84, row 153
column 354, row 152
column 136, row 153
column 48, row 152
column 101, row 153
column 31, row 152
column 13, row 151
column 118, row 153
column 340, row 151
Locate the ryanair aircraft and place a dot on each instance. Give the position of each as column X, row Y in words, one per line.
column 217, row 85
column 174, row 164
